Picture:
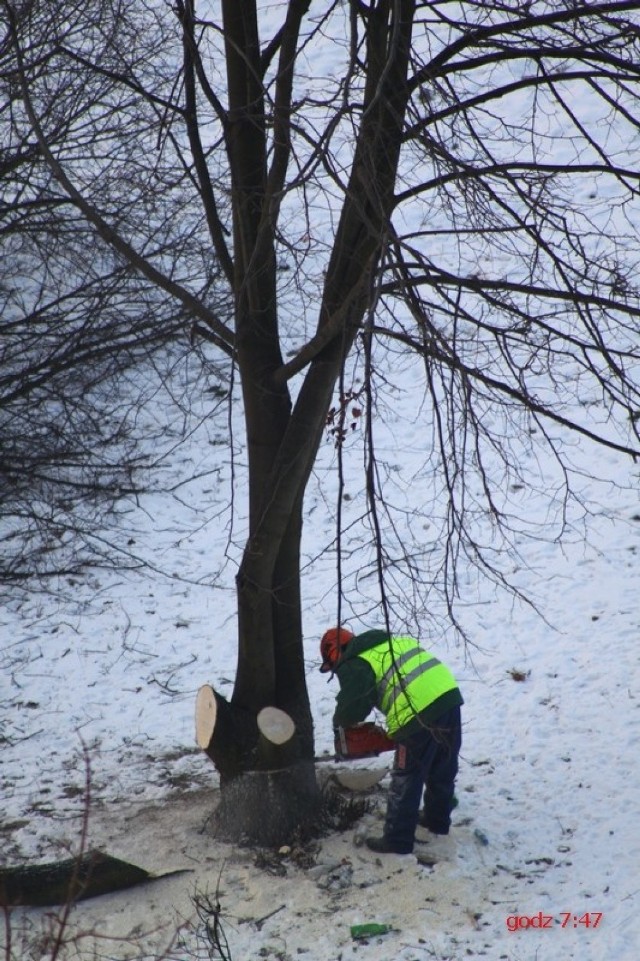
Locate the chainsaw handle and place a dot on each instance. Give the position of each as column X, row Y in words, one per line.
column 340, row 743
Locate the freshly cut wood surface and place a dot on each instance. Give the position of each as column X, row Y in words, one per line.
column 275, row 725
column 206, row 715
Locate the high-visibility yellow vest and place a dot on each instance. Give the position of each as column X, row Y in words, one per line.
column 408, row 679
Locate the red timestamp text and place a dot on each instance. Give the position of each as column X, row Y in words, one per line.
column 564, row 919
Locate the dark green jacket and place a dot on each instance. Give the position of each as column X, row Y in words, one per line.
column 358, row 694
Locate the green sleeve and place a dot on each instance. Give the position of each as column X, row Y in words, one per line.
column 357, row 696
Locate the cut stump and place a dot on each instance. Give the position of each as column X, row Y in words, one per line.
column 267, row 791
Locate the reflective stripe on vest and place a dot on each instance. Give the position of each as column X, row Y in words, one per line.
column 391, row 686
column 401, row 694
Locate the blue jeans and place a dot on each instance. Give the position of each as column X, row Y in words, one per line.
column 425, row 761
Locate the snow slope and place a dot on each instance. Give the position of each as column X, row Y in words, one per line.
column 549, row 773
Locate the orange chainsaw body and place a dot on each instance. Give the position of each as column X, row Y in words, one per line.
column 362, row 740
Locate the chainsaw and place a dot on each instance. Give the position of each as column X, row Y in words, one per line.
column 361, row 740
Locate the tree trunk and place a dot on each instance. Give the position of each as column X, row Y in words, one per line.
column 267, row 788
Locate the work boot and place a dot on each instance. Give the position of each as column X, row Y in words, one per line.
column 424, row 822
column 383, row 846
column 435, row 828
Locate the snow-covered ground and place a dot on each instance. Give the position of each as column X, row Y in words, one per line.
column 549, row 773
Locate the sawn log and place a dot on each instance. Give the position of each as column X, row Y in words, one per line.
column 70, row 880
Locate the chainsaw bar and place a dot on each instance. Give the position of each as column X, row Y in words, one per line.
column 340, row 758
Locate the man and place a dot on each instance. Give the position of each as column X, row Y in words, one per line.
column 421, row 702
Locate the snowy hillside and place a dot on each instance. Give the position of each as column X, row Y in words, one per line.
column 548, row 774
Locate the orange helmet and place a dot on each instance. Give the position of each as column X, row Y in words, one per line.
column 331, row 646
